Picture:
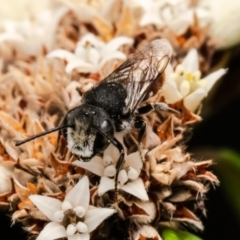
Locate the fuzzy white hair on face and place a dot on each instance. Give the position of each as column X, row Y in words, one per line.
column 80, row 144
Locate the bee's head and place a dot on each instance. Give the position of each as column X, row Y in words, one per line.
column 87, row 130
column 91, row 127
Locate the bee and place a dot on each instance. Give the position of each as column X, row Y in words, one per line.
column 113, row 105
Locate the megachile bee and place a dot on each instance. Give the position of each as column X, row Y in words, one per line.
column 113, row 104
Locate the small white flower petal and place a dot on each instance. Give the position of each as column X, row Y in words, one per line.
column 105, row 185
column 225, row 16
column 212, row 78
column 73, row 97
column 204, row 15
column 180, row 25
column 151, row 19
column 80, row 211
column 184, row 88
column 116, row 43
column 12, row 37
column 47, row 205
column 110, row 171
column 122, row 177
column 136, row 188
column 55, row 19
column 134, row 160
column 107, row 160
column 79, row 236
column 80, row 52
column 71, row 229
column 91, row 38
column 190, row 62
column 96, row 165
column 170, row 92
column 58, row 216
column 66, row 205
column 192, row 101
column 169, row 70
column 93, row 56
column 113, row 55
column 62, row 54
column 79, row 195
column 32, row 48
column 132, row 173
column 95, row 216
column 82, row 227
column 112, row 150
column 52, row 231
column 197, row 75
column 201, row 83
column 80, row 65
column 179, row 70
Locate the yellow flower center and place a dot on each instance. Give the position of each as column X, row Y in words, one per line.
column 189, row 77
column 187, row 82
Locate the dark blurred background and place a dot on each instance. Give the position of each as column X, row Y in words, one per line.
column 217, row 137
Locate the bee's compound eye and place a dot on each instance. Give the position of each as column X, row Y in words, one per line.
column 104, row 125
column 100, row 143
column 107, row 127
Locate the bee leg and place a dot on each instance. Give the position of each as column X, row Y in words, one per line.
column 156, row 106
column 120, row 161
column 164, row 107
column 141, row 125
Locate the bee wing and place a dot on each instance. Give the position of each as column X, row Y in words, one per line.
column 141, row 70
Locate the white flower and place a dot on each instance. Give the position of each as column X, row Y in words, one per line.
column 185, row 82
column 128, row 179
column 91, row 54
column 84, row 218
column 224, row 28
column 178, row 15
column 18, row 10
column 29, row 36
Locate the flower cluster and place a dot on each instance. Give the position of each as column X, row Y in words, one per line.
column 47, row 63
column 73, row 218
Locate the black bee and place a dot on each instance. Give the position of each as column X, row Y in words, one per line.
column 113, row 104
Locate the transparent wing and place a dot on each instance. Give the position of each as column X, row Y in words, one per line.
column 141, row 70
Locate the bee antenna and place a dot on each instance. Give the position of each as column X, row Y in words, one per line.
column 18, row 143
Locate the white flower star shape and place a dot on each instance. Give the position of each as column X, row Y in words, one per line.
column 31, row 35
column 128, row 178
column 73, row 218
column 185, row 82
column 177, row 15
column 91, row 54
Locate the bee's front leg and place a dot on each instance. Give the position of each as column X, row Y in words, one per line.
column 120, row 161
